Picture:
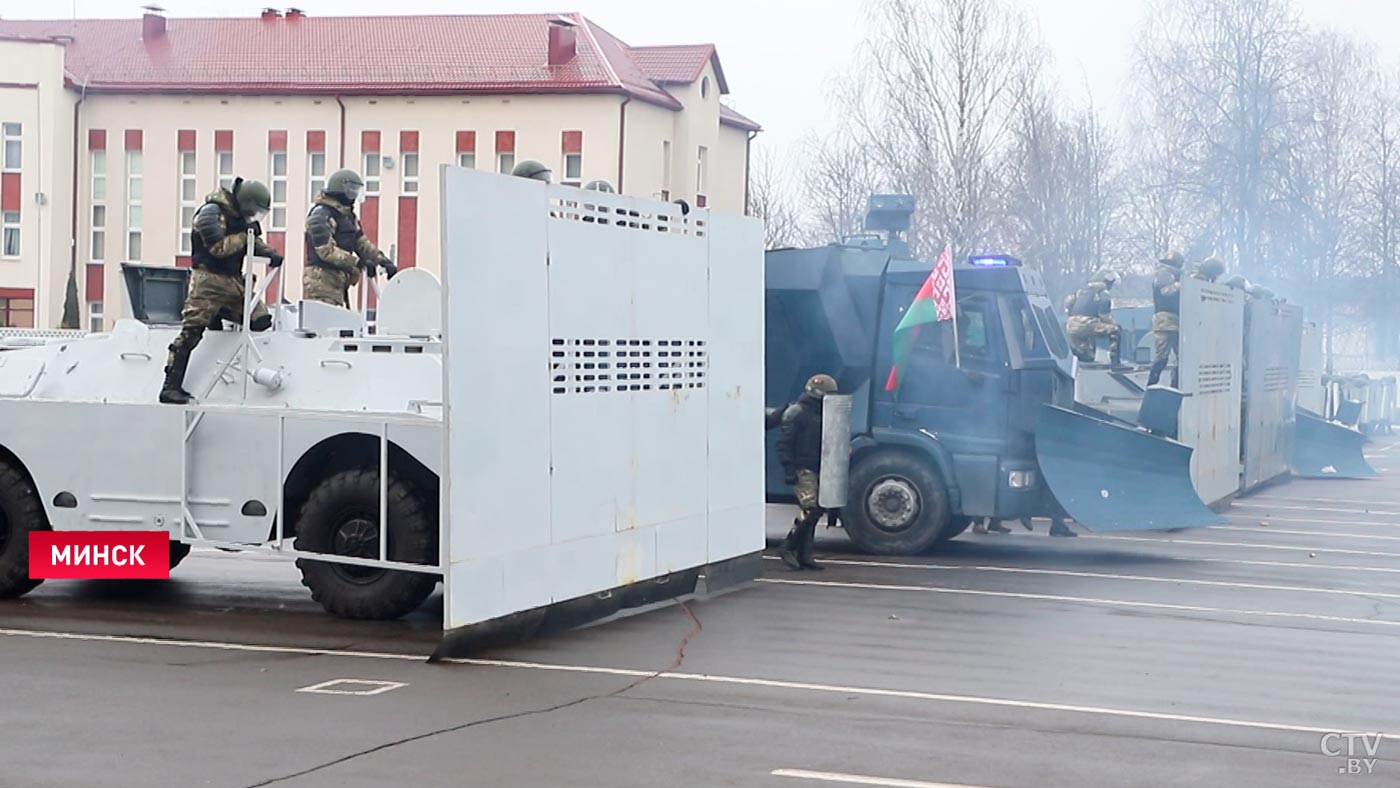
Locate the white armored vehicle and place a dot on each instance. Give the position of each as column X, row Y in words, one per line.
column 572, row 416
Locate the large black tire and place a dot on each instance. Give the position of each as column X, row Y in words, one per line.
column 178, row 551
column 21, row 512
column 956, row 525
column 898, row 504
column 341, row 516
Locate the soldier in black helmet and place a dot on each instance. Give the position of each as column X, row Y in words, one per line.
column 800, row 452
column 533, row 170
column 1166, row 316
column 1210, row 270
column 336, row 247
column 218, row 245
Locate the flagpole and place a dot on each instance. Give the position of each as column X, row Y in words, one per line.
column 953, row 299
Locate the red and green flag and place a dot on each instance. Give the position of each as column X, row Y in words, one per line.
column 934, row 303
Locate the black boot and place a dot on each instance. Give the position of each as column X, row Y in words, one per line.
column 804, row 552
column 173, row 391
column 1058, row 528
column 791, row 545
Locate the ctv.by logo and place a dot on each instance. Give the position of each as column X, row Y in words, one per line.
column 1352, row 746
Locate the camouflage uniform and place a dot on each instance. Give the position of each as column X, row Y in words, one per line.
column 218, row 246
column 1166, row 319
column 800, row 452
column 1091, row 317
column 336, row 248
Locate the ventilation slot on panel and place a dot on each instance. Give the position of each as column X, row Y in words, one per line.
column 629, row 364
column 1277, row 379
column 1214, row 378
column 671, row 222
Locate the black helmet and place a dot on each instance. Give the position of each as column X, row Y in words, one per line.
column 534, row 170
column 253, row 199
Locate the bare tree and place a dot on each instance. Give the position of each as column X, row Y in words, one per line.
column 771, row 199
column 839, row 178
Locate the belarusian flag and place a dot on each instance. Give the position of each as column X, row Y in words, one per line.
column 933, row 304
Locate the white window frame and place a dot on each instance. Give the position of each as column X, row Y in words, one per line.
column 13, row 133
column 702, row 166
column 577, row 177
column 505, row 162
column 273, row 182
column 188, row 173
column 135, row 197
column 666, row 169
column 97, row 169
column 409, row 185
column 10, row 229
column 373, row 169
column 223, row 165
column 315, row 181
column 94, row 316
column 466, row 159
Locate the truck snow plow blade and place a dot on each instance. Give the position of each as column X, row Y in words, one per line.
column 1111, row 477
column 1324, row 449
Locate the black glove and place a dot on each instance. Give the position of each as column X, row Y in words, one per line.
column 275, row 259
column 256, row 227
column 389, row 268
column 368, row 267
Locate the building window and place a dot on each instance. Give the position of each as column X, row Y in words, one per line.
column 702, row 165
column 134, row 193
column 505, row 162
column 467, row 159
column 14, row 153
column 17, row 312
column 666, row 169
column 94, row 316
column 410, row 173
column 278, row 215
column 188, row 199
column 11, row 234
column 372, row 162
column 316, row 172
column 98, row 246
column 225, row 166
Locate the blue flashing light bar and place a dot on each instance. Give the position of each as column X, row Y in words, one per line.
column 994, row 261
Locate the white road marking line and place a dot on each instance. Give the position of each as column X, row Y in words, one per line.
column 1289, row 507
column 1251, row 545
column 1107, row 576
column 862, row 779
column 1254, row 519
column 1325, row 534
column 1264, row 499
column 1079, row 600
column 369, row 687
column 702, row 678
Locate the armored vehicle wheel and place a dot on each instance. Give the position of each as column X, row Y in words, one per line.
column 178, row 551
column 898, row 505
column 21, row 511
column 341, row 516
column 955, row 526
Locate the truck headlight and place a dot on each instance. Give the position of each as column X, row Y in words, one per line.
column 1022, row 480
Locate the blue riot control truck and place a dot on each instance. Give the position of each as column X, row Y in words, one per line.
column 987, row 430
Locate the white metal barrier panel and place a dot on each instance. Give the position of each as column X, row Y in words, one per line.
column 1312, row 395
column 604, row 371
column 1272, row 346
column 1212, row 348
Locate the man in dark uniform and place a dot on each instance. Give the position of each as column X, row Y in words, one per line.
column 800, row 452
column 1166, row 316
column 336, row 247
column 218, row 245
column 1091, row 317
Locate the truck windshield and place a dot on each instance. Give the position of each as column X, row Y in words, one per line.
column 1024, row 328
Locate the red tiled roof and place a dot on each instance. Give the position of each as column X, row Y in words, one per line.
column 679, row 65
column 501, row 53
column 732, row 117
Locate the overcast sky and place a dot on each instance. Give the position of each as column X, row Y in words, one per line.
column 780, row 55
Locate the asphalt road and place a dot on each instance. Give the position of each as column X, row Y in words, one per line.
column 1221, row 656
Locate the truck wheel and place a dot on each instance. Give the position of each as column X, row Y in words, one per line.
column 178, row 551
column 21, row 512
column 898, row 505
column 956, row 525
column 341, row 517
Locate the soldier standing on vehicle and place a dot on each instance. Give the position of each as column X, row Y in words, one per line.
column 1091, row 317
column 1166, row 317
column 1209, row 271
column 800, row 452
column 218, row 245
column 336, row 247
